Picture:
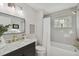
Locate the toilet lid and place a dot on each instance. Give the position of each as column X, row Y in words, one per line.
column 40, row 48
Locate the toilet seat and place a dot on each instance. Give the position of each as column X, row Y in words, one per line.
column 40, row 48
column 40, row 51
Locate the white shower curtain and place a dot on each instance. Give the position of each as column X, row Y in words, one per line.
column 46, row 34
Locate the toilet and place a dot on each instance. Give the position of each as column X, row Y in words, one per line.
column 40, row 50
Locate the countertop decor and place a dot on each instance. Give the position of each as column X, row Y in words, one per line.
column 2, row 30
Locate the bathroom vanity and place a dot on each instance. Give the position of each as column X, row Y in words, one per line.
column 19, row 48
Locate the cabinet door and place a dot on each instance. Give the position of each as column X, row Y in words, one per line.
column 29, row 50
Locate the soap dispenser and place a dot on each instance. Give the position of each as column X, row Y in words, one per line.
column 23, row 36
column 14, row 38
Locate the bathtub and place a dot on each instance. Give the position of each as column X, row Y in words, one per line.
column 60, row 49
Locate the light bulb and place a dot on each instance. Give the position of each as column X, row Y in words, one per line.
column 20, row 12
column 13, row 8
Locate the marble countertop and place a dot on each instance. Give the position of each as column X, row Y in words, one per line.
column 15, row 45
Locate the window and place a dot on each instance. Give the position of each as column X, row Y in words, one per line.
column 63, row 22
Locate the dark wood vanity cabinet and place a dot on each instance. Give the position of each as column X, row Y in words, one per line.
column 28, row 50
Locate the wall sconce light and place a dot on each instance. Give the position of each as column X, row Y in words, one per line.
column 11, row 5
column 15, row 8
column 20, row 11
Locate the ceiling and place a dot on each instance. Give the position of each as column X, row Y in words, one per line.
column 51, row 7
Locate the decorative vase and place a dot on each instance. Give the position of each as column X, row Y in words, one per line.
column 2, row 42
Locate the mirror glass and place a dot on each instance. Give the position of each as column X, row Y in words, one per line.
column 17, row 23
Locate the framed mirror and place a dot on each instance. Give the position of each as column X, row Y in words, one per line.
column 17, row 23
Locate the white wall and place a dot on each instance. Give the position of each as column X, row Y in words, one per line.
column 39, row 27
column 33, row 16
column 30, row 17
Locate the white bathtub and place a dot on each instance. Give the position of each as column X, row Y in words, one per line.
column 60, row 49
